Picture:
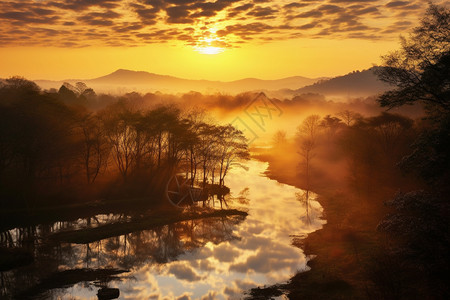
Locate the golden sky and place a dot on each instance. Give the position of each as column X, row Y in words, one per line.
column 199, row 39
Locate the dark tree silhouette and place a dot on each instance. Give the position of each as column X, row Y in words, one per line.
column 307, row 136
column 420, row 70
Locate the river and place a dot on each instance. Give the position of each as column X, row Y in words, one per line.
column 215, row 258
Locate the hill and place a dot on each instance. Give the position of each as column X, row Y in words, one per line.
column 355, row 84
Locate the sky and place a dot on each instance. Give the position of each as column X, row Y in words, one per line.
column 200, row 39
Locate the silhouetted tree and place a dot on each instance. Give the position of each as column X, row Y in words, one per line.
column 331, row 125
column 96, row 149
column 279, row 139
column 306, row 136
column 390, row 132
column 420, row 70
column 349, row 117
column 232, row 149
column 117, row 121
column 67, row 94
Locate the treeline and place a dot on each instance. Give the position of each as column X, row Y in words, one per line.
column 357, row 151
column 389, row 176
column 54, row 150
column 224, row 105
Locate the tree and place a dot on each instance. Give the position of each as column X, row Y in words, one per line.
column 331, row 126
column 95, row 150
column 118, row 124
column 162, row 118
column 389, row 132
column 420, row 70
column 232, row 149
column 6, row 137
column 307, row 134
column 279, row 139
column 207, row 144
column 349, row 117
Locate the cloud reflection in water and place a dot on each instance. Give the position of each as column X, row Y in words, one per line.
column 218, row 258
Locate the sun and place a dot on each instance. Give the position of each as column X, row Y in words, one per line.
column 209, row 44
column 209, row 50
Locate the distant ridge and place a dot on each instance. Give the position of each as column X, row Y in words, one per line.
column 355, row 84
column 128, row 80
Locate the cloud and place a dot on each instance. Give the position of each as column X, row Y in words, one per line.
column 185, row 296
column 83, row 4
column 226, row 253
column 209, row 296
column 179, row 14
column 294, row 5
column 273, row 258
column 28, row 17
column 263, row 13
column 99, row 18
column 397, row 3
column 206, row 265
column 225, row 23
column 183, row 272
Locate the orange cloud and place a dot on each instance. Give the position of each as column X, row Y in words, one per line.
column 80, row 23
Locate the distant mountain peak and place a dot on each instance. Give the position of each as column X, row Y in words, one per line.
column 126, row 72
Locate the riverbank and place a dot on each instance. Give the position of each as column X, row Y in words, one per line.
column 149, row 221
column 68, row 212
column 343, row 249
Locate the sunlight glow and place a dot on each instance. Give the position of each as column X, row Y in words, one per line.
column 209, row 50
column 210, row 43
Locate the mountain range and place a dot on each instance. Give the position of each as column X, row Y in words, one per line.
column 355, row 84
column 126, row 80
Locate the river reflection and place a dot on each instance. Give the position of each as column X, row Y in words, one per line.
column 214, row 258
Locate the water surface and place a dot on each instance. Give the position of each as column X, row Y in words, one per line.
column 215, row 258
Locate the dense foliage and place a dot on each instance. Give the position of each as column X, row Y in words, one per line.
column 53, row 147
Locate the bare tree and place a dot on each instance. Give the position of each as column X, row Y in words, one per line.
column 307, row 134
column 96, row 149
column 121, row 135
column 232, row 149
column 279, row 139
column 349, row 117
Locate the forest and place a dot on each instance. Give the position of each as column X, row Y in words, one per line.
column 56, row 149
